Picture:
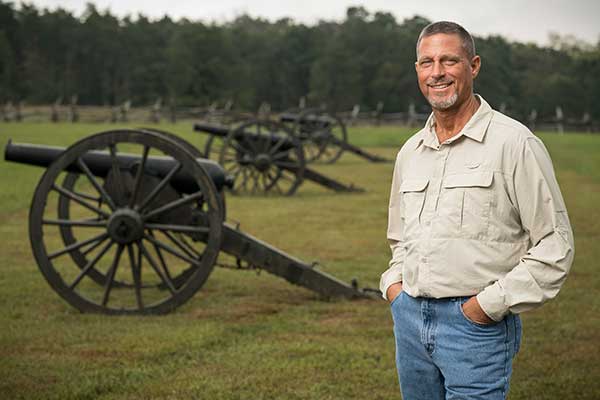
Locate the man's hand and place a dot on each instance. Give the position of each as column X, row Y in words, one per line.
column 393, row 291
column 474, row 312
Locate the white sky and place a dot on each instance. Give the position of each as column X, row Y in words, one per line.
column 520, row 20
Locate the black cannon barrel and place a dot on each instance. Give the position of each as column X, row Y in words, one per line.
column 213, row 129
column 99, row 163
column 244, row 136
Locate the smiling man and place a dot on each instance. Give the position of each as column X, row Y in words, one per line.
column 478, row 229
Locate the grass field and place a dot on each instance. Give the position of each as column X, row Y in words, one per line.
column 249, row 336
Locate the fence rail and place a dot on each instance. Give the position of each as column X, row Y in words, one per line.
column 157, row 113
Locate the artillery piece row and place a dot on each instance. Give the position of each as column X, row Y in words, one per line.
column 132, row 222
column 263, row 156
column 323, row 135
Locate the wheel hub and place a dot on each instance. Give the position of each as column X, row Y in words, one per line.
column 125, row 226
column 262, row 162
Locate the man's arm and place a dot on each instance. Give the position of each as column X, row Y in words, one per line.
column 543, row 269
column 393, row 274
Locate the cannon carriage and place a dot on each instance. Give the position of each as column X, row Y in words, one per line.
column 264, row 156
column 132, row 222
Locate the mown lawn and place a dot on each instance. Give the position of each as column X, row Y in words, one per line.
column 254, row 336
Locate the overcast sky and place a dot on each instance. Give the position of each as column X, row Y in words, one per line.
column 521, row 20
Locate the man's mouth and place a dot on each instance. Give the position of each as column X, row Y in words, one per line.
column 439, row 85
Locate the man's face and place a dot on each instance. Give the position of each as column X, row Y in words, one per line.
column 444, row 71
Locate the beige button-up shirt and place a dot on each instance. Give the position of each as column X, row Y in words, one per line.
column 480, row 214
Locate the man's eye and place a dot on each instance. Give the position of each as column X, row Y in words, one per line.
column 425, row 63
column 450, row 62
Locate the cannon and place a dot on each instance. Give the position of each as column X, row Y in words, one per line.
column 323, row 135
column 264, row 157
column 132, row 222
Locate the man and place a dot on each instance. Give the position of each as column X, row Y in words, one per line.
column 478, row 230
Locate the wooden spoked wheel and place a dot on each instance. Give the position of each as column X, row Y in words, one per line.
column 131, row 237
column 323, row 135
column 264, row 157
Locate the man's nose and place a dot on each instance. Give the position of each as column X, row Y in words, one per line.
column 437, row 70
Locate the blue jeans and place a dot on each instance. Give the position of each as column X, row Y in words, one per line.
column 440, row 354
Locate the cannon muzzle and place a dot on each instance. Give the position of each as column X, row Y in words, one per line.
column 100, row 164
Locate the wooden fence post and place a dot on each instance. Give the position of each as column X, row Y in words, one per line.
column 559, row 120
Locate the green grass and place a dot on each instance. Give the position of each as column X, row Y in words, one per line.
column 249, row 336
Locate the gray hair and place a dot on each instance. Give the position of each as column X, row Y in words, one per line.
column 449, row 28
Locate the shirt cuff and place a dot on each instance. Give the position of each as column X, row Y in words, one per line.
column 491, row 300
column 389, row 278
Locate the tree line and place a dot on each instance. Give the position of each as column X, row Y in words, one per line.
column 365, row 59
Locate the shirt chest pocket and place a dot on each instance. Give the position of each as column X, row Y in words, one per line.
column 413, row 192
column 465, row 204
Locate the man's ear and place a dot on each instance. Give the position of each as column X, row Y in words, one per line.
column 475, row 66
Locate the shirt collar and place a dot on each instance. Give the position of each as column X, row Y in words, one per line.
column 475, row 129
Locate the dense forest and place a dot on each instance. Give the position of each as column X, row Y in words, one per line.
column 366, row 59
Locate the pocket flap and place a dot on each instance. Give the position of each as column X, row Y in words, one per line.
column 475, row 179
column 413, row 185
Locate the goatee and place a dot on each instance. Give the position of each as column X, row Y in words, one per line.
column 443, row 104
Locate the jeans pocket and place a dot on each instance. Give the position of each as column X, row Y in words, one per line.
column 469, row 320
column 396, row 298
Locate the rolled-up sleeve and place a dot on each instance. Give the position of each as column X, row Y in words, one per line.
column 394, row 235
column 542, row 270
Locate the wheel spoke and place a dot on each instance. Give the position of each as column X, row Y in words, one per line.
column 88, row 267
column 83, row 166
column 285, row 177
column 99, row 238
column 163, row 264
column 262, row 182
column 69, row 194
column 281, row 139
column 183, row 246
column 229, row 152
column 111, row 274
column 252, row 144
column 274, row 179
column 87, row 196
column 244, row 179
column 183, row 240
column 236, row 174
column 171, row 250
column 135, row 272
column 68, row 222
column 254, row 180
column 172, row 205
column 280, row 155
column 164, row 279
column 92, row 248
column 239, row 147
column 279, row 190
column 160, row 186
column 232, row 167
column 138, row 176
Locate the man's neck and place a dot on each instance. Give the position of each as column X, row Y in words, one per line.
column 448, row 123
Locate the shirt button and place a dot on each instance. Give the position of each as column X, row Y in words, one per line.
column 427, row 223
column 424, row 259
